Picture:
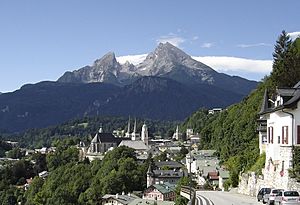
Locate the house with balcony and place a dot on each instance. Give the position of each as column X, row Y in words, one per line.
column 279, row 133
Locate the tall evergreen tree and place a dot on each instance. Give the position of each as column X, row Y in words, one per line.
column 286, row 70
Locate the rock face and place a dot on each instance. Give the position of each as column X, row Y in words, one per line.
column 106, row 69
column 165, row 61
column 169, row 61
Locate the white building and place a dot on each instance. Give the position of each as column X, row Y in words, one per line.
column 279, row 133
column 145, row 134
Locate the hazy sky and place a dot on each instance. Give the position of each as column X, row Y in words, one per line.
column 40, row 40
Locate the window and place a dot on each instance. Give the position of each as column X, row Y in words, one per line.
column 278, row 140
column 270, row 134
column 264, row 139
column 285, row 135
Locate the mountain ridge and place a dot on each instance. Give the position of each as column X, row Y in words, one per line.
column 165, row 61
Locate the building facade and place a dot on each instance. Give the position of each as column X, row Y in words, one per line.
column 281, row 118
column 160, row 192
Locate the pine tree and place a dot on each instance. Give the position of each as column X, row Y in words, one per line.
column 279, row 56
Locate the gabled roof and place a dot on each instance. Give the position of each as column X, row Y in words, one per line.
column 265, row 103
column 164, row 188
column 291, row 96
column 293, row 101
column 106, row 137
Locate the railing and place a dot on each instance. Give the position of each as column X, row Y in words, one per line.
column 188, row 193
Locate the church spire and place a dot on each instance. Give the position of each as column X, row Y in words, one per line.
column 127, row 134
column 134, row 128
column 100, row 129
column 128, row 129
column 134, row 134
column 144, row 134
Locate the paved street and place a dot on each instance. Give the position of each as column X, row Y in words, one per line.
column 224, row 198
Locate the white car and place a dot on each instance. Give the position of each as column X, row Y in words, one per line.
column 287, row 198
column 271, row 197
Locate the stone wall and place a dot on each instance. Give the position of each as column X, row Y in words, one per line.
column 250, row 183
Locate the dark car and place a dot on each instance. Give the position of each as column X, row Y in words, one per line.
column 262, row 192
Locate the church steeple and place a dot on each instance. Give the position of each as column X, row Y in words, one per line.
column 128, row 129
column 144, row 134
column 134, row 134
column 100, row 129
column 134, row 128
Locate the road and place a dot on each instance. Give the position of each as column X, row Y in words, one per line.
column 224, row 198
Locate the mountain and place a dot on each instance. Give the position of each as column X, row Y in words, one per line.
column 165, row 61
column 50, row 103
column 167, row 85
column 163, row 98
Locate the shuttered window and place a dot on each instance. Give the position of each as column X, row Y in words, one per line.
column 285, row 135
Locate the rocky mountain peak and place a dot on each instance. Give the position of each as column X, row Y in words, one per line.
column 108, row 58
column 167, row 57
column 167, row 53
column 171, row 51
column 107, row 63
column 105, row 69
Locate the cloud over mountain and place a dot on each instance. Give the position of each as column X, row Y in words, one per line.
column 224, row 64
column 294, row 35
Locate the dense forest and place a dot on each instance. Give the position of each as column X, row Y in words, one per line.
column 233, row 131
column 72, row 181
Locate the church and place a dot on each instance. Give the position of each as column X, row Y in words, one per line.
column 103, row 142
column 139, row 142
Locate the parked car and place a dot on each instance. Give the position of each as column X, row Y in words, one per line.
column 271, row 197
column 287, row 198
column 262, row 192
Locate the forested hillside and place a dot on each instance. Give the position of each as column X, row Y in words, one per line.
column 233, row 131
column 85, row 128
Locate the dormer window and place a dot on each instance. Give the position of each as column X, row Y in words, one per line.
column 278, row 101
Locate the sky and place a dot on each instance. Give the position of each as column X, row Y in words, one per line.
column 40, row 40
